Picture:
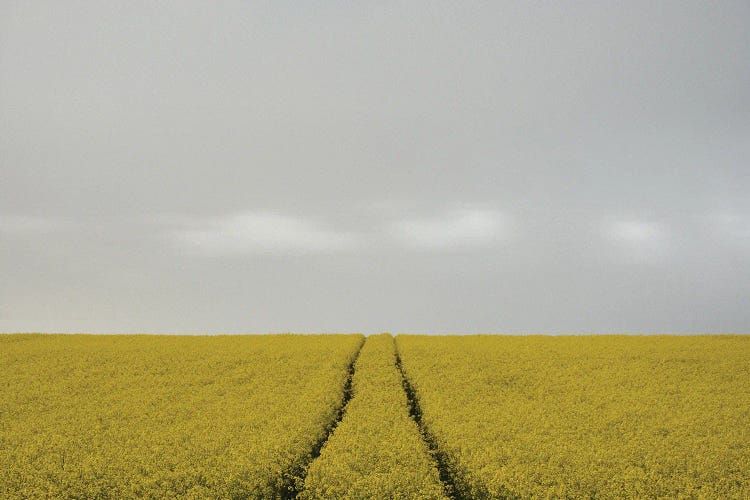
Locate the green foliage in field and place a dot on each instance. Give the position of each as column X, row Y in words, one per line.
column 376, row 451
column 165, row 417
column 606, row 417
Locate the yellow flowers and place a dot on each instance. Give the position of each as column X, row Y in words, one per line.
column 160, row 417
column 376, row 451
column 597, row 416
column 244, row 416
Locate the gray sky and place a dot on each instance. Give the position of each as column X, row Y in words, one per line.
column 458, row 167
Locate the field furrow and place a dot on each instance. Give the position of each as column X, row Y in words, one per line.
column 377, row 450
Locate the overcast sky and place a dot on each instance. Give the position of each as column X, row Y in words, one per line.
column 436, row 167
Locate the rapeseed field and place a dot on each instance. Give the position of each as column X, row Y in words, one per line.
column 165, row 416
column 585, row 417
column 344, row 417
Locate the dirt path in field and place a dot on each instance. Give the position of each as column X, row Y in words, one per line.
column 415, row 411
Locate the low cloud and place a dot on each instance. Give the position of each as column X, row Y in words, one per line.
column 261, row 233
column 638, row 239
column 461, row 227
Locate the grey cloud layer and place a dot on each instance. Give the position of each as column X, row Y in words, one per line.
column 423, row 166
column 260, row 232
column 245, row 259
column 457, row 228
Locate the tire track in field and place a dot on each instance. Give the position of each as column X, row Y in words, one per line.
column 294, row 482
column 415, row 411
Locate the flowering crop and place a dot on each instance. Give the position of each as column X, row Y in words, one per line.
column 598, row 416
column 376, row 451
column 163, row 416
column 244, row 416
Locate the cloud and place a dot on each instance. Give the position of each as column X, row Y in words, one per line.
column 457, row 228
column 639, row 239
column 30, row 225
column 730, row 227
column 261, row 233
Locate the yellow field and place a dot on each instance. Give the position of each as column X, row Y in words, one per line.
column 160, row 417
column 582, row 417
column 326, row 416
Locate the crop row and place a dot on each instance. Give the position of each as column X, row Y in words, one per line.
column 376, row 451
